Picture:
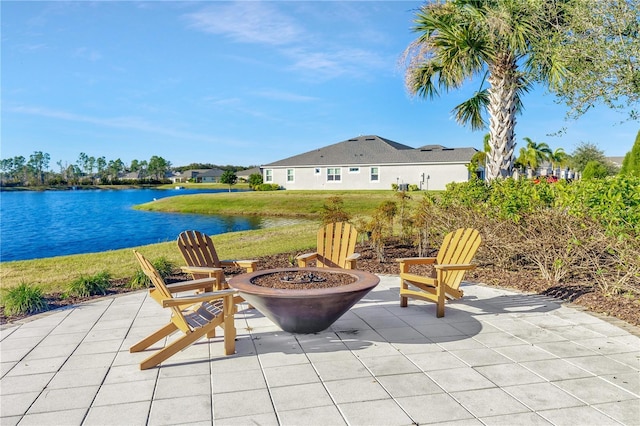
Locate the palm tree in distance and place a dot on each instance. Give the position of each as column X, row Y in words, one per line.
column 558, row 158
column 533, row 155
column 480, row 157
column 506, row 43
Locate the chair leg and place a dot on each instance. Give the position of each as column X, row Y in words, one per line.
column 403, row 299
column 153, row 338
column 175, row 347
column 440, row 294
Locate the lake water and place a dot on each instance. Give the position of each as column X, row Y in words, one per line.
column 54, row 223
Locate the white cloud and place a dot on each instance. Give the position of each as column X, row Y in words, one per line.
column 126, row 122
column 247, row 22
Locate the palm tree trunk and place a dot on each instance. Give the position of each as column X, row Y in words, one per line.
column 502, row 119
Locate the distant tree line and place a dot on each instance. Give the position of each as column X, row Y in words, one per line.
column 89, row 170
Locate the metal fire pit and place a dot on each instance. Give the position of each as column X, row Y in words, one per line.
column 304, row 310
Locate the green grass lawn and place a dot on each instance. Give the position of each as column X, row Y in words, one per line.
column 272, row 203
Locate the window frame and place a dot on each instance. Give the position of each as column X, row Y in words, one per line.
column 268, row 175
column 332, row 173
column 291, row 177
column 371, row 174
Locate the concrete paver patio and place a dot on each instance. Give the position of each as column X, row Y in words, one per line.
column 496, row 358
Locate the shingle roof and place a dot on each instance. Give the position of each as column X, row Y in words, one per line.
column 375, row 150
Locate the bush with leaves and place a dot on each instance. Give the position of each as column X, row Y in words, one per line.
column 23, row 299
column 86, row 286
column 164, row 267
column 333, row 211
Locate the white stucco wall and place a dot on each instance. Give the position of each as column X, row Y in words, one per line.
column 439, row 175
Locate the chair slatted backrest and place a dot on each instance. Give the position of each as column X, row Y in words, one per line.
column 336, row 242
column 458, row 247
column 198, row 250
column 161, row 291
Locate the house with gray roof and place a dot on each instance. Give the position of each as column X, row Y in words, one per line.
column 371, row 162
column 203, row 175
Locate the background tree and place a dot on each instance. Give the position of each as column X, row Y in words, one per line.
column 504, row 42
column 512, row 45
column 479, row 159
column 101, row 167
column 229, row 178
column 584, row 153
column 255, row 179
column 601, row 54
column 631, row 162
column 115, row 167
column 595, row 170
column 534, row 154
column 37, row 165
column 157, row 167
column 558, row 158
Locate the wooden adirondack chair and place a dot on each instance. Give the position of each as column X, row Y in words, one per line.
column 450, row 265
column 336, row 247
column 194, row 316
column 202, row 261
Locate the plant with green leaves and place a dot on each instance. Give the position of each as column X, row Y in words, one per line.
column 631, row 162
column 333, row 211
column 229, row 178
column 504, row 42
column 255, row 179
column 164, row 267
column 511, row 45
column 532, row 155
column 86, row 286
column 23, row 299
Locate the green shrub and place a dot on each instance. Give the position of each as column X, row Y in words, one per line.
column 23, row 299
column 333, row 211
column 267, row 187
column 89, row 286
column 164, row 267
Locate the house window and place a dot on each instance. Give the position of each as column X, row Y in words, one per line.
column 375, row 174
column 354, row 169
column 290, row 175
column 268, row 175
column 333, row 174
column 317, row 170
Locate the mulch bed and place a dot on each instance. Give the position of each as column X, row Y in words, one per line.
column 589, row 297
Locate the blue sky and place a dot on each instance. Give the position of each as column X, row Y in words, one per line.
column 241, row 83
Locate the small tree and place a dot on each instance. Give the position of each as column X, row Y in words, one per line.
column 255, row 179
column 595, row 169
column 229, row 178
column 631, row 163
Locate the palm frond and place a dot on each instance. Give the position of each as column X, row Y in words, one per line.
column 470, row 112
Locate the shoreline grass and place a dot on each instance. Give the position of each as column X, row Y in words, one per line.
column 55, row 273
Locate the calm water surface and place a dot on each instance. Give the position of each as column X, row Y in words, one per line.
column 54, row 223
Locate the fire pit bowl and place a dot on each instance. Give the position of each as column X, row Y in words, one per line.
column 310, row 308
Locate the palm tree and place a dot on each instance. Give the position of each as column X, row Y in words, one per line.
column 480, row 157
column 508, row 43
column 558, row 158
column 533, row 154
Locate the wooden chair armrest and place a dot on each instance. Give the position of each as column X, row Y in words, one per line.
column 417, row 260
column 192, row 285
column 249, row 265
column 456, row 267
column 200, row 270
column 307, row 256
column 303, row 259
column 202, row 297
